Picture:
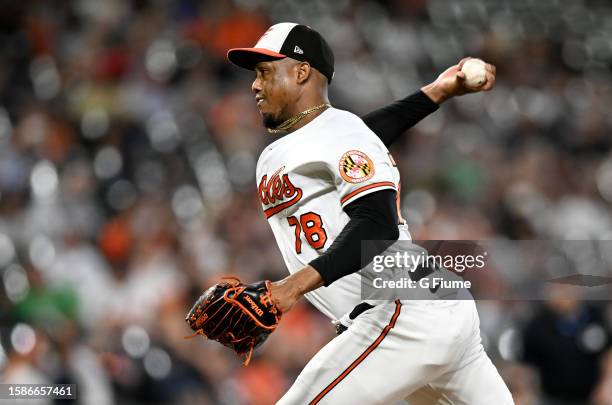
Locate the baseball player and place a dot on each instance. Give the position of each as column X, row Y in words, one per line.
column 325, row 186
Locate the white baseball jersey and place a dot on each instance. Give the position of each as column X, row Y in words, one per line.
column 306, row 178
column 428, row 353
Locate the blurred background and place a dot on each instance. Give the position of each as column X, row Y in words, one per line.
column 127, row 157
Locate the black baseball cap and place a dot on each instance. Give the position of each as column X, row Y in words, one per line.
column 287, row 40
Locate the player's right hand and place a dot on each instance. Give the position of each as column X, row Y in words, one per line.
column 451, row 83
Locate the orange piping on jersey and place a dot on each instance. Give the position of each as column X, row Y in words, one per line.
column 401, row 219
column 383, row 334
column 278, row 208
column 365, row 188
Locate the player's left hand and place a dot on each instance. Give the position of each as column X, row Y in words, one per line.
column 239, row 316
column 451, row 83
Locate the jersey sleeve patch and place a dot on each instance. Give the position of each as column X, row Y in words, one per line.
column 356, row 167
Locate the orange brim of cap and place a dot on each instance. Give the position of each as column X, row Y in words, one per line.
column 249, row 57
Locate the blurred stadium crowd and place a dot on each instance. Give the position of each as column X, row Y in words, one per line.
column 127, row 156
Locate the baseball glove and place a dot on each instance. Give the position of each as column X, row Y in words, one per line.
column 236, row 315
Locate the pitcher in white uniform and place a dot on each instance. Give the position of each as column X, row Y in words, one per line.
column 327, row 184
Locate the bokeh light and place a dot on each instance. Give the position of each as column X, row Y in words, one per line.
column 135, row 341
column 23, row 338
column 44, row 180
column 7, row 250
column 16, row 283
column 158, row 363
column 107, row 163
column 42, row 252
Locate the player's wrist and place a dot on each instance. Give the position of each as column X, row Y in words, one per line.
column 435, row 93
column 285, row 293
column 285, row 288
column 300, row 282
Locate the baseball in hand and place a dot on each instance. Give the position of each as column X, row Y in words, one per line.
column 475, row 73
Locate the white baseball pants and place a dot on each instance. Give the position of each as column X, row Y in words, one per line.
column 423, row 352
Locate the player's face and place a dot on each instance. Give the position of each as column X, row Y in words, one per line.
column 275, row 89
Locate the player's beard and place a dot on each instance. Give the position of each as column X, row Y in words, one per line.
column 270, row 121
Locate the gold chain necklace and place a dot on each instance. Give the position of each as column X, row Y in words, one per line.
column 295, row 119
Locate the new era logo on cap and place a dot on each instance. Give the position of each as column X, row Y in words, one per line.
column 287, row 40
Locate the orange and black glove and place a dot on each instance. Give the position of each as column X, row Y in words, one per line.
column 236, row 315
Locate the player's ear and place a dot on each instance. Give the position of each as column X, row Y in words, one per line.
column 302, row 72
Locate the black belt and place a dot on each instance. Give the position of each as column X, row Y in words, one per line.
column 358, row 310
column 422, row 271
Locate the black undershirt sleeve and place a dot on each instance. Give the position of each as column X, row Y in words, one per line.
column 373, row 217
column 391, row 121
